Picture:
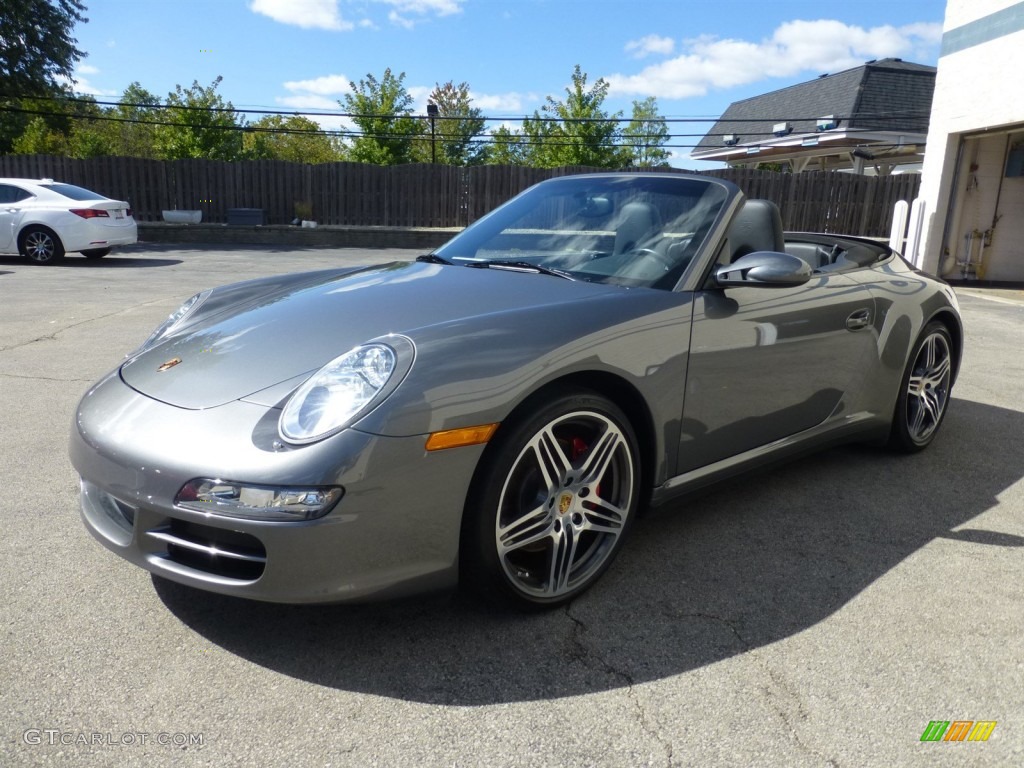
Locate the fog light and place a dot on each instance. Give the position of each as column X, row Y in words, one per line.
column 257, row 502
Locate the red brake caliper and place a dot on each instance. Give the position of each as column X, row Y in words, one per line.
column 580, row 447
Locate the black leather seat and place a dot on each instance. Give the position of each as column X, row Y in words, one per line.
column 638, row 222
column 757, row 227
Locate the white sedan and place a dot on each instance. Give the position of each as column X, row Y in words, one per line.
column 43, row 219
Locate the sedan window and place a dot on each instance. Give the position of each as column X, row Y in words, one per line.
column 73, row 192
column 12, row 194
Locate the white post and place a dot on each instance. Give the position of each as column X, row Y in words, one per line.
column 899, row 225
column 914, row 231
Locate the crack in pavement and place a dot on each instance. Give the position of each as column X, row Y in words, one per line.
column 779, row 682
column 42, row 378
column 585, row 655
column 53, row 336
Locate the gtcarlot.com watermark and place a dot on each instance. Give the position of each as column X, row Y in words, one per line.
column 55, row 736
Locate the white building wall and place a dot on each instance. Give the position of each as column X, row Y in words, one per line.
column 979, row 92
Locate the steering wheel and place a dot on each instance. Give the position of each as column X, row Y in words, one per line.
column 649, row 253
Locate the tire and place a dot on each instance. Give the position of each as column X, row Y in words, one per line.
column 96, row 253
column 924, row 391
column 40, row 246
column 552, row 502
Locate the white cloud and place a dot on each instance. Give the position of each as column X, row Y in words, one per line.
column 651, row 44
column 325, row 14
column 82, row 85
column 795, row 46
column 308, row 14
column 408, row 13
column 419, row 95
column 322, row 86
column 425, row 7
column 309, row 101
column 87, row 69
column 499, row 102
column 328, row 122
column 395, row 18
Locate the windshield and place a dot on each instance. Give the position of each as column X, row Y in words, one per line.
column 637, row 230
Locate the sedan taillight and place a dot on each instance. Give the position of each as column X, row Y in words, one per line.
column 90, row 213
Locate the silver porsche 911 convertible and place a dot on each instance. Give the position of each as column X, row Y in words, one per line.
column 497, row 412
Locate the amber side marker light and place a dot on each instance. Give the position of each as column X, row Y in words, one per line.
column 457, row 438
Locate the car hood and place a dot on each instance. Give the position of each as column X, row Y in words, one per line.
column 271, row 341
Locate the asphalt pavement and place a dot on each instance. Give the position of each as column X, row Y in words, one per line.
column 820, row 614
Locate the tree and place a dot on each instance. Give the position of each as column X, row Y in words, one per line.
column 645, row 135
column 458, row 126
column 294, row 138
column 204, row 126
column 134, row 133
column 506, row 147
column 36, row 52
column 382, row 111
column 73, row 128
column 576, row 131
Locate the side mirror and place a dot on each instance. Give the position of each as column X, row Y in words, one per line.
column 768, row 268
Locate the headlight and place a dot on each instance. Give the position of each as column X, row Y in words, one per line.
column 343, row 390
column 257, row 502
column 173, row 321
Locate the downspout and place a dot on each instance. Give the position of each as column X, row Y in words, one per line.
column 945, row 254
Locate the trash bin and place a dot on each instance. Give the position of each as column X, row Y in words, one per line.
column 249, row 216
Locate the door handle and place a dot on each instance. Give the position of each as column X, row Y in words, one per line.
column 859, row 319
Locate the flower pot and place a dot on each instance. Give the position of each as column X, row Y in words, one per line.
column 183, row 217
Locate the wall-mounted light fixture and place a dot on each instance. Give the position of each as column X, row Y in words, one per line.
column 782, row 129
column 827, row 123
column 730, row 139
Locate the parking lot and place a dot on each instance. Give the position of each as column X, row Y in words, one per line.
column 820, row 614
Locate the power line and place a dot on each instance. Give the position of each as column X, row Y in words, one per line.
column 485, row 118
column 517, row 140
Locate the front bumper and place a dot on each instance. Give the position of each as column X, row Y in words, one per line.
column 395, row 531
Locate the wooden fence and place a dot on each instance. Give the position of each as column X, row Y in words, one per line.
column 424, row 195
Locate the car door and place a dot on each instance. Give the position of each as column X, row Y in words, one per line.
column 11, row 210
column 767, row 362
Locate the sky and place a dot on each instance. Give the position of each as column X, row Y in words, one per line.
column 694, row 56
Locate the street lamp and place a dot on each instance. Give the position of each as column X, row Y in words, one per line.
column 432, row 113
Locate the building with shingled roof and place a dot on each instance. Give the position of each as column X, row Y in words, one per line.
column 868, row 119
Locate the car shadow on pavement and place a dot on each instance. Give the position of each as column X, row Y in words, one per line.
column 747, row 564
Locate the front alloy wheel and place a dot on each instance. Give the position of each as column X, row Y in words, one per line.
column 925, row 390
column 558, row 499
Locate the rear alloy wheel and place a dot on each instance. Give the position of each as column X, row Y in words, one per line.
column 924, row 392
column 41, row 246
column 553, row 503
column 96, row 253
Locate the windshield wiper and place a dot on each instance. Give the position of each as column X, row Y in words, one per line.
column 519, row 266
column 432, row 258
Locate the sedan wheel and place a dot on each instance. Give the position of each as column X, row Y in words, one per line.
column 41, row 246
column 925, row 391
column 556, row 500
